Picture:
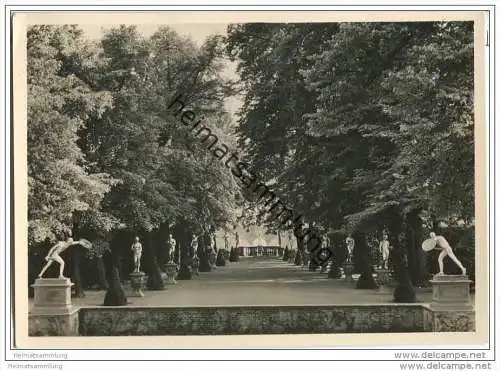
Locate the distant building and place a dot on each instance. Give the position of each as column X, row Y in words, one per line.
column 255, row 236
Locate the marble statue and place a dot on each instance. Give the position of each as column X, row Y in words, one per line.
column 226, row 241
column 57, row 249
column 194, row 245
column 325, row 241
column 171, row 247
column 325, row 245
column 385, row 249
column 350, row 247
column 137, row 250
column 440, row 243
column 237, row 239
column 213, row 243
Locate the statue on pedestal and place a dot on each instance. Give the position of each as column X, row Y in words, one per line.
column 325, row 245
column 350, row 247
column 194, row 245
column 440, row 243
column 171, row 243
column 137, row 250
column 195, row 265
column 385, row 249
column 58, row 248
column 137, row 277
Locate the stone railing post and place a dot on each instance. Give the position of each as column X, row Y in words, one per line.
column 451, row 309
column 53, row 313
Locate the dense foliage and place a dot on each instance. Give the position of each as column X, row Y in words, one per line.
column 107, row 157
column 358, row 127
column 361, row 124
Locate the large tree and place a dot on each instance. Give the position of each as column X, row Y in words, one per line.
column 272, row 128
column 361, row 124
column 404, row 90
column 60, row 179
column 106, row 152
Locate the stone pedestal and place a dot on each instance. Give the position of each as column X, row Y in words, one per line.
column 137, row 284
column 171, row 271
column 52, row 296
column 348, row 268
column 52, row 313
column 325, row 266
column 451, row 309
column 213, row 258
column 305, row 261
column 196, row 266
column 451, row 292
column 383, row 276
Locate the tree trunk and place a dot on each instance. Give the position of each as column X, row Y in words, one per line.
column 161, row 245
column 36, row 255
column 285, row 254
column 300, row 251
column 177, row 250
column 76, row 276
column 119, row 247
column 404, row 291
column 415, row 234
column 184, row 248
column 203, row 252
column 101, row 273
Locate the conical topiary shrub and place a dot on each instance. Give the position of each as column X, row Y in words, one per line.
column 155, row 280
column 101, row 273
column 185, row 270
column 298, row 258
column 204, row 256
column 335, row 271
column 234, row 256
column 286, row 254
column 366, row 280
column 115, row 295
column 313, row 262
column 404, row 291
column 220, row 261
column 362, row 260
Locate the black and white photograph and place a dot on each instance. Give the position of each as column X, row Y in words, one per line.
column 260, row 177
